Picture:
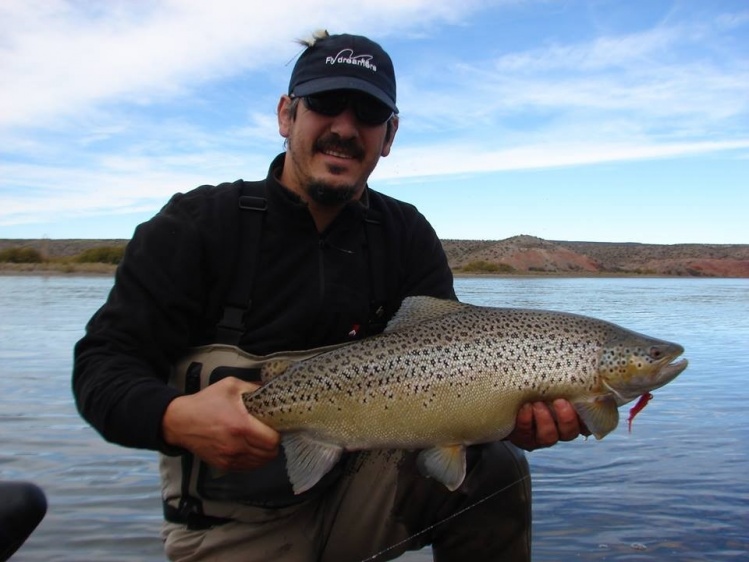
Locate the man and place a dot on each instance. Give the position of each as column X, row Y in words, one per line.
column 309, row 257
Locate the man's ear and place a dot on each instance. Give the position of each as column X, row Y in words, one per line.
column 284, row 116
column 392, row 128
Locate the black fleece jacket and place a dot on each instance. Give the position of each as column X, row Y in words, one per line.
column 311, row 289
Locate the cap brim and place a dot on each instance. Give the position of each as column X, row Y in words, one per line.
column 329, row 83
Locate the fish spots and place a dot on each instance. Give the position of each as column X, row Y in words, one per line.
column 467, row 366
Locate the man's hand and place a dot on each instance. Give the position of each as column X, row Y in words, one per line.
column 539, row 426
column 214, row 425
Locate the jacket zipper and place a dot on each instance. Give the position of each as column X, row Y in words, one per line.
column 321, row 246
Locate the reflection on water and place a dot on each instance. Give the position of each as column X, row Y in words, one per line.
column 674, row 489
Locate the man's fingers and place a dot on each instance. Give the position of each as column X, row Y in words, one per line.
column 258, row 436
column 546, row 428
column 524, row 421
column 568, row 424
column 263, row 437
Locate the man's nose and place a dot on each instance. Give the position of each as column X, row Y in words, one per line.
column 345, row 124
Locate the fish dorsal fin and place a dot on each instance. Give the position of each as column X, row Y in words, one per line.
column 278, row 363
column 418, row 310
column 446, row 464
column 599, row 414
column 307, row 459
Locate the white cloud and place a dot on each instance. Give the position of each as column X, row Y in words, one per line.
column 667, row 84
column 112, row 106
column 461, row 158
column 113, row 184
column 59, row 58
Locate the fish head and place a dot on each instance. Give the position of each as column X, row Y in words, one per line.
column 633, row 364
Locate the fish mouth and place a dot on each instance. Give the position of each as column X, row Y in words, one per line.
column 672, row 370
column 665, row 367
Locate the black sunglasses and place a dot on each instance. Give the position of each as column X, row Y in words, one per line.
column 366, row 108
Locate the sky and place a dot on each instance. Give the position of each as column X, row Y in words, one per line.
column 588, row 120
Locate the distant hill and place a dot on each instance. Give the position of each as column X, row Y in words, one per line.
column 528, row 255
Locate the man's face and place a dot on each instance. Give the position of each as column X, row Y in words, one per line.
column 330, row 157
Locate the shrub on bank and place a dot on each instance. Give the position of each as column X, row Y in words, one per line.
column 483, row 266
column 102, row 254
column 21, row 255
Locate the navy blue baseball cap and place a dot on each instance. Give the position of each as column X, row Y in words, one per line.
column 345, row 62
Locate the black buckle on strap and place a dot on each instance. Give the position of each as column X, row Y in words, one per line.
column 189, row 516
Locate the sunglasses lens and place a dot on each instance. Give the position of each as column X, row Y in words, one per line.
column 367, row 110
column 329, row 103
column 372, row 112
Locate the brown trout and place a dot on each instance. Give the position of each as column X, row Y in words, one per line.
column 446, row 374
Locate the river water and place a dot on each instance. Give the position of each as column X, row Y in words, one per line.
column 675, row 489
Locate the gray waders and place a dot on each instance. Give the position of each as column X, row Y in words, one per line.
column 374, row 506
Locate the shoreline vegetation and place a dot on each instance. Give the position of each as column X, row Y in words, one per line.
column 36, row 258
column 53, row 268
column 516, row 256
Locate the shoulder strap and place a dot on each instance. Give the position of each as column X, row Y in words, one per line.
column 252, row 205
column 377, row 268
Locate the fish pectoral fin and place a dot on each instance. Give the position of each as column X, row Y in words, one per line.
column 446, row 464
column 307, row 459
column 600, row 414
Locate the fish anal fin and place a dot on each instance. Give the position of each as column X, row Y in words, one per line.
column 414, row 311
column 308, row 459
column 599, row 414
column 446, row 464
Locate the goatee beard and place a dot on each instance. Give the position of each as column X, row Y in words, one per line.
column 324, row 193
column 330, row 196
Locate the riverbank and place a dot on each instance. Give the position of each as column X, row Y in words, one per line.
column 105, row 270
column 57, row 268
column 519, row 255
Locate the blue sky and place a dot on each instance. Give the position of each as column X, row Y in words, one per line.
column 596, row 120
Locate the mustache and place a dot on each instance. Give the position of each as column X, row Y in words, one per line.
column 334, row 143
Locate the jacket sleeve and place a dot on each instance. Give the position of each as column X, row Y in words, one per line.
column 122, row 363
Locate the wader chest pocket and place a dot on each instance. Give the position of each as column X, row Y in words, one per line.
column 267, row 486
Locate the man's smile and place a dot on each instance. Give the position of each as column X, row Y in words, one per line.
column 337, row 154
column 339, row 148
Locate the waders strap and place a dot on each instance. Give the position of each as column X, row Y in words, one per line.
column 253, row 206
column 229, row 330
column 189, row 506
